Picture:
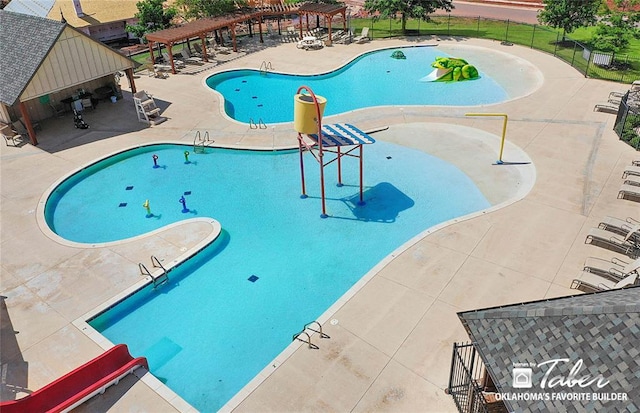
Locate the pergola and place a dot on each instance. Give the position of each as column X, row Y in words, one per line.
column 202, row 27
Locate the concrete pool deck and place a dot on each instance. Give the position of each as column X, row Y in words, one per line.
column 390, row 348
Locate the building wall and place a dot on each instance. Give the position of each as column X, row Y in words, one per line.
column 75, row 59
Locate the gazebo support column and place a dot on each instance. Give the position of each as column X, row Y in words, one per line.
column 232, row 29
column 153, row 58
column 173, row 66
column 130, row 78
column 29, row 126
column 203, row 40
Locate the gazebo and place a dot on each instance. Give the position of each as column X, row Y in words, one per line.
column 202, row 27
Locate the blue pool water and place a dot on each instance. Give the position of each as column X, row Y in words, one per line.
column 210, row 330
column 373, row 79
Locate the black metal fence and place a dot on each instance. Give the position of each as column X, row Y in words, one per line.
column 467, row 371
column 627, row 124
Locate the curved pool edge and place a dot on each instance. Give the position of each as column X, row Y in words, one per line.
column 528, row 172
column 82, row 322
column 505, row 81
column 42, row 202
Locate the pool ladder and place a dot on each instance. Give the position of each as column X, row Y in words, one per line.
column 257, row 125
column 160, row 279
column 199, row 141
column 299, row 336
column 265, row 67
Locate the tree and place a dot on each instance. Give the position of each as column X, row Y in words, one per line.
column 615, row 31
column 416, row 9
column 207, row 8
column 151, row 17
column 569, row 15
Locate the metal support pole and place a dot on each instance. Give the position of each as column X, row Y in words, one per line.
column 361, row 176
column 304, row 191
column 504, row 130
column 339, row 167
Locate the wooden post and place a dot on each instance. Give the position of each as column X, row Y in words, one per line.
column 29, row 126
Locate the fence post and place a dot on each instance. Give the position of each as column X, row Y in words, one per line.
column 586, row 71
column 555, row 50
column 533, row 35
column 478, row 28
column 453, row 363
column 506, row 33
column 449, row 25
column 389, row 26
column 573, row 58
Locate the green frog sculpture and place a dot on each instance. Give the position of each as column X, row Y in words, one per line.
column 447, row 69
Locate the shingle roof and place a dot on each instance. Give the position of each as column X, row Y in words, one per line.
column 96, row 11
column 25, row 41
column 39, row 8
column 602, row 329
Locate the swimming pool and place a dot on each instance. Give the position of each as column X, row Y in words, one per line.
column 212, row 329
column 372, row 79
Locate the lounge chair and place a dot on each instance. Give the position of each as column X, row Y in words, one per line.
column 619, row 226
column 154, row 71
column 364, row 36
column 615, row 269
column 192, row 60
column 593, row 283
column 200, row 51
column 631, row 170
column 176, row 62
column 618, row 95
column 609, row 108
column 635, row 163
column 612, row 241
column 629, row 191
column 632, row 180
column 10, row 135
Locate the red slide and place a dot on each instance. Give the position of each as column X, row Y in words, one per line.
column 79, row 385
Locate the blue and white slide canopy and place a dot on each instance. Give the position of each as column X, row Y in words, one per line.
column 342, row 134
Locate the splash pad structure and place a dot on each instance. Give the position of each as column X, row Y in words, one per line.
column 447, row 69
column 318, row 139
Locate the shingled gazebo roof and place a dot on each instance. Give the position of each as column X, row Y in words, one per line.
column 601, row 328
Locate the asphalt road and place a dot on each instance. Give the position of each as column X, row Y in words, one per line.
column 490, row 11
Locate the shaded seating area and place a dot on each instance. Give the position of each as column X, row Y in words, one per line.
column 310, row 43
column 202, row 28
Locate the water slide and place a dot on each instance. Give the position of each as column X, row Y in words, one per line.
column 79, row 385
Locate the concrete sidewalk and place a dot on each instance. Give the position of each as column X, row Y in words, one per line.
column 391, row 340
